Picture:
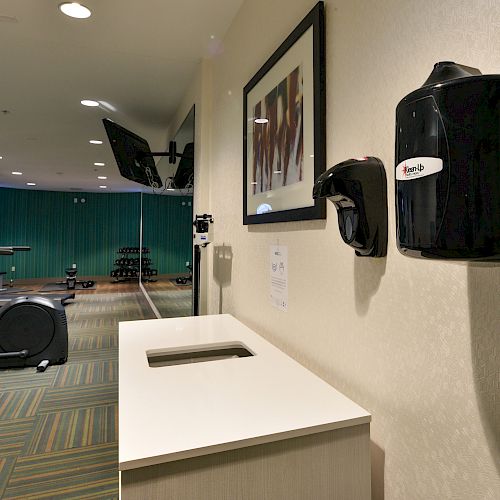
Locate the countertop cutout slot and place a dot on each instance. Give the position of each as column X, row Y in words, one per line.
column 159, row 358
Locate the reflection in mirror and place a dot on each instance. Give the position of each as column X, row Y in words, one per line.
column 167, row 216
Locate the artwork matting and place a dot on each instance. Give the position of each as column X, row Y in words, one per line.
column 284, row 128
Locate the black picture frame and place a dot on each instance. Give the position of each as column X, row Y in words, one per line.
column 315, row 57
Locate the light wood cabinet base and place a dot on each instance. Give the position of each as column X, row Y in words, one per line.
column 333, row 465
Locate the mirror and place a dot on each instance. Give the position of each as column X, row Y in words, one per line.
column 167, row 216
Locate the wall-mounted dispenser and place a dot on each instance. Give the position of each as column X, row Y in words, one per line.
column 358, row 189
column 448, row 166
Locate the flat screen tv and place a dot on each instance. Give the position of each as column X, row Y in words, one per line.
column 183, row 177
column 132, row 154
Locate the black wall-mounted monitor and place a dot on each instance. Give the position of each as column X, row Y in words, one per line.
column 132, row 154
column 183, row 177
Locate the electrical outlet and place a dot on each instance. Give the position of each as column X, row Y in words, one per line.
column 74, row 266
column 13, row 269
column 187, row 263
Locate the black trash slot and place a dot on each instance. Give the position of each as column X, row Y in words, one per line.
column 190, row 355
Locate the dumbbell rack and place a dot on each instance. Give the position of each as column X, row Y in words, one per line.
column 127, row 266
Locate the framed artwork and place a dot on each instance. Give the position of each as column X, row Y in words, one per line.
column 284, row 128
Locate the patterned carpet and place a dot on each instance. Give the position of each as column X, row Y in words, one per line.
column 58, row 429
column 172, row 303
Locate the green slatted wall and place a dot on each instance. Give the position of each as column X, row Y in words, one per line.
column 167, row 231
column 61, row 232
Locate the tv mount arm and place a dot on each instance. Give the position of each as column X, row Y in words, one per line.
column 171, row 153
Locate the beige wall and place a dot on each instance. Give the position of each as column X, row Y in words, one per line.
column 415, row 342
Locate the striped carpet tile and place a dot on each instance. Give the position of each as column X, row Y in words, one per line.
column 13, row 435
column 6, row 466
column 25, row 378
column 73, row 429
column 89, row 473
column 105, row 322
column 85, row 356
column 70, row 398
column 20, row 404
column 172, row 304
column 97, row 372
column 86, row 342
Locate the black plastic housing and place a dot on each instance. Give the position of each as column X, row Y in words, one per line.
column 358, row 189
column 32, row 329
column 451, row 124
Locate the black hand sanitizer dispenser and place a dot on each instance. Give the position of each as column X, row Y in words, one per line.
column 448, row 166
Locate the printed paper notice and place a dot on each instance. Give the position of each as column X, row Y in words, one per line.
column 279, row 277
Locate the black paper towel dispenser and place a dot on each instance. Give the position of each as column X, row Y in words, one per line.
column 448, row 166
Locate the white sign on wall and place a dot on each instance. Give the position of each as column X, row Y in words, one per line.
column 279, row 277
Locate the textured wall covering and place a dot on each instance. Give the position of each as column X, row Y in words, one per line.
column 61, row 232
column 415, row 342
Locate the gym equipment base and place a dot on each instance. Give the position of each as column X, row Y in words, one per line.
column 174, row 281
column 55, row 287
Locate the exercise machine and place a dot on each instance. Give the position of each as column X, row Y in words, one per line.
column 60, row 297
column 33, row 332
column 9, row 250
column 184, row 280
column 70, row 280
column 33, row 329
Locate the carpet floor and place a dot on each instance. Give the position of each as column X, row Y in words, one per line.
column 59, row 428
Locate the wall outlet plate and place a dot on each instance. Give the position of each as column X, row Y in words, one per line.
column 13, row 269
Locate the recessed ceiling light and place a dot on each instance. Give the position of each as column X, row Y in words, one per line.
column 95, row 141
column 17, row 173
column 261, row 120
column 103, row 187
column 103, row 177
column 170, row 189
column 90, row 103
column 74, row 9
column 1, row 157
column 30, row 184
column 99, row 164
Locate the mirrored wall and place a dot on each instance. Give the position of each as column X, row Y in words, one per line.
column 166, row 230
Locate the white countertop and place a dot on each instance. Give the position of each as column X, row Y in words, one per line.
column 174, row 412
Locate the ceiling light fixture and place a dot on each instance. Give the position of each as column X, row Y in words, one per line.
column 74, row 9
column 30, row 184
column 89, row 103
column 95, row 141
column 261, row 120
column 99, row 164
column 17, row 173
column 102, row 177
column 1, row 157
column 103, row 187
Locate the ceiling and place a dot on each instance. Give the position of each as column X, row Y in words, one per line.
column 134, row 57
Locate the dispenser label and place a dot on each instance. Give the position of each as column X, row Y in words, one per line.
column 414, row 168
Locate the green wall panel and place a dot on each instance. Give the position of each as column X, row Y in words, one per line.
column 167, row 231
column 61, row 232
